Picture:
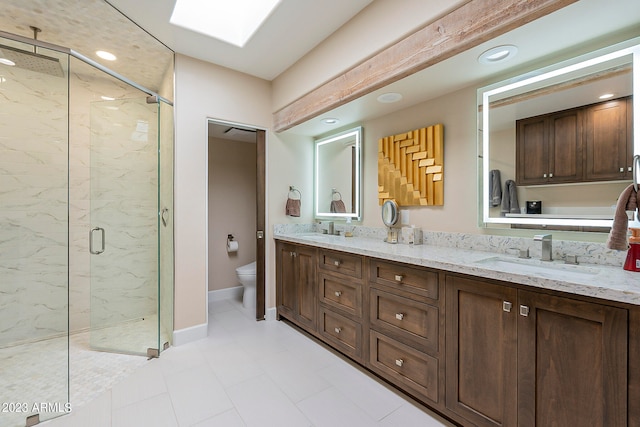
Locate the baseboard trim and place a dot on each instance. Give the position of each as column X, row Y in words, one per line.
column 187, row 335
column 270, row 314
column 224, row 294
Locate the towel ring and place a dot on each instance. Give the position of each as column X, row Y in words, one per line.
column 636, row 162
column 333, row 193
column 293, row 189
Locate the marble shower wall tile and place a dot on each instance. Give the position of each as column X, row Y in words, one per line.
column 33, row 201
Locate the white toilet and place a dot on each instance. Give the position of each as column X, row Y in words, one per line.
column 247, row 277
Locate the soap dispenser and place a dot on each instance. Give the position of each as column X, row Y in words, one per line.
column 633, row 254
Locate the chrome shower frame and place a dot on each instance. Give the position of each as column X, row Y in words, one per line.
column 81, row 57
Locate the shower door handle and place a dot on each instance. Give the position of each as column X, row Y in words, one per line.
column 164, row 220
column 101, row 230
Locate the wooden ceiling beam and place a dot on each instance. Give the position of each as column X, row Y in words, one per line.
column 464, row 28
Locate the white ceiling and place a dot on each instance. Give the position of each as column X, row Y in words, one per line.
column 293, row 29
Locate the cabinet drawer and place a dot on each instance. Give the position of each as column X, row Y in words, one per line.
column 342, row 294
column 339, row 262
column 401, row 363
column 406, row 318
column 417, row 280
column 344, row 333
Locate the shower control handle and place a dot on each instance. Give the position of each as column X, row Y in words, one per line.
column 101, row 230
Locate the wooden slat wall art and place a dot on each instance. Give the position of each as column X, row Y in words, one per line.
column 411, row 167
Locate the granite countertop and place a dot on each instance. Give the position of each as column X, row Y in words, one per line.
column 599, row 281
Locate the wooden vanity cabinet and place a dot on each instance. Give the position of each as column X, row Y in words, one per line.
column 296, row 284
column 524, row 358
column 340, row 297
column 479, row 351
column 405, row 333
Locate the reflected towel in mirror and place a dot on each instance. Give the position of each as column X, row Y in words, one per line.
column 337, row 206
column 510, row 198
column 495, row 188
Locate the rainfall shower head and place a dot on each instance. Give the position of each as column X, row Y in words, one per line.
column 32, row 61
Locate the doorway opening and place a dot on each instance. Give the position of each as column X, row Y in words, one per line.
column 236, row 212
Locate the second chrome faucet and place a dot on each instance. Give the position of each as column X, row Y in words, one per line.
column 547, row 248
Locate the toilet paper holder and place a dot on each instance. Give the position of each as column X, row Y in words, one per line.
column 232, row 245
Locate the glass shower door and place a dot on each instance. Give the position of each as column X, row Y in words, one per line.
column 125, row 221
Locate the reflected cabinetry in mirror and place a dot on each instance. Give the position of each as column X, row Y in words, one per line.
column 590, row 143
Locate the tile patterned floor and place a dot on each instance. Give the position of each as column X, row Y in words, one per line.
column 37, row 372
column 218, row 381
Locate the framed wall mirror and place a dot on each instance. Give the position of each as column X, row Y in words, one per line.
column 564, row 137
column 337, row 178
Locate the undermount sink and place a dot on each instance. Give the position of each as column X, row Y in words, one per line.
column 317, row 236
column 534, row 266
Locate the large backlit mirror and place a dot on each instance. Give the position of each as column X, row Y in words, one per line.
column 563, row 137
column 338, row 175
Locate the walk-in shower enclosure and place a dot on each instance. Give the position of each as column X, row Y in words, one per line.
column 86, row 218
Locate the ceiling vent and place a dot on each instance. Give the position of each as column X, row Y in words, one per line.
column 239, row 134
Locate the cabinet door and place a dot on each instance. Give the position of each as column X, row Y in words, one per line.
column 566, row 141
column 572, row 363
column 606, row 141
column 481, row 368
column 285, row 279
column 306, row 287
column 532, row 151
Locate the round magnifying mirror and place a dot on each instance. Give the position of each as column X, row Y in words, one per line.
column 390, row 213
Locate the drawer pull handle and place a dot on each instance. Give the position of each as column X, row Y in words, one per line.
column 338, row 293
column 399, row 316
column 524, row 311
column 336, row 263
column 338, row 330
column 399, row 362
column 398, row 277
column 506, row 306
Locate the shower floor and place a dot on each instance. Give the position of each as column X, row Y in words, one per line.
column 36, row 373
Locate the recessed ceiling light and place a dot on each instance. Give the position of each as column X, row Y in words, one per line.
column 107, row 98
column 106, row 55
column 6, row 61
column 498, row 54
column 330, row 121
column 233, row 22
column 606, row 96
column 390, row 97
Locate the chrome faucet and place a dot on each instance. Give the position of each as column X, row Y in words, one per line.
column 546, row 246
column 327, row 227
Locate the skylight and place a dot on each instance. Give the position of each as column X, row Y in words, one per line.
column 232, row 21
